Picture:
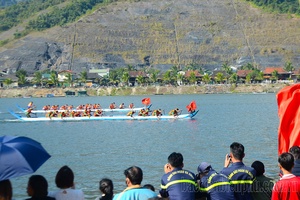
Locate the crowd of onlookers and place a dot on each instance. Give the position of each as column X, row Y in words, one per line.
column 234, row 181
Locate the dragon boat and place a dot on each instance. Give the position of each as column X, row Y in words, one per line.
column 117, row 117
column 102, row 109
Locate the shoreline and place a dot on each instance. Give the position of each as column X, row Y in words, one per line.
column 29, row 92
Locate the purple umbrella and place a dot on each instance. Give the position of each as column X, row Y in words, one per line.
column 20, row 156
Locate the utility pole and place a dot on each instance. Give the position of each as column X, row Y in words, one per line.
column 176, row 47
column 72, row 51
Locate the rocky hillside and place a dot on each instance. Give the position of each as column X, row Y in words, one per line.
column 160, row 33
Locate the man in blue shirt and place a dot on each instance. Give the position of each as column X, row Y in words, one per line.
column 241, row 177
column 134, row 190
column 177, row 183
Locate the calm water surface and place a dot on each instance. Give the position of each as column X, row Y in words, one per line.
column 97, row 149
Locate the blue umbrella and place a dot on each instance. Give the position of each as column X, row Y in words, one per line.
column 20, row 156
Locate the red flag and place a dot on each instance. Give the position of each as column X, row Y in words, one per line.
column 192, row 106
column 146, row 101
column 288, row 100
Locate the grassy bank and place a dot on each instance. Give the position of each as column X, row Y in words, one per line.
column 149, row 90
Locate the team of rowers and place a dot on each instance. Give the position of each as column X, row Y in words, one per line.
column 95, row 110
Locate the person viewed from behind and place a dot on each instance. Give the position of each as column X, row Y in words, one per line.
column 37, row 188
column 150, row 187
column 295, row 151
column 130, row 113
column 157, row 112
column 30, row 105
column 174, row 112
column 106, row 187
column 262, row 185
column 112, row 105
column 131, row 105
column 134, row 190
column 65, row 182
column 214, row 185
column 240, row 176
column 6, row 191
column 288, row 187
column 28, row 112
column 177, row 183
column 122, row 106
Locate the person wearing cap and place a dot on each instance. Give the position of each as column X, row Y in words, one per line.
column 216, row 186
column 240, row 176
column 262, row 185
column 177, row 183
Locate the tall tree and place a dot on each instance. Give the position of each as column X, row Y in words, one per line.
column 53, row 78
column 248, row 66
column 125, row 78
column 130, row 68
column 274, row 75
column 192, row 78
column 180, row 78
column 104, row 81
column 38, row 78
column 140, row 79
column 228, row 70
column 113, row 77
column 83, row 76
column 233, row 78
column 206, row 78
column 7, row 82
column 167, row 77
column 69, row 79
column 153, row 76
column 219, row 77
column 288, row 66
column 248, row 78
column 21, row 72
column 22, row 79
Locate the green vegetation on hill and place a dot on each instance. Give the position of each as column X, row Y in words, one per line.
column 13, row 15
column 160, row 34
column 57, row 15
column 281, row 6
column 61, row 16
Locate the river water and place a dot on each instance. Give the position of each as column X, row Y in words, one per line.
column 98, row 149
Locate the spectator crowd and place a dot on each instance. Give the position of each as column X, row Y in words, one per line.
column 235, row 181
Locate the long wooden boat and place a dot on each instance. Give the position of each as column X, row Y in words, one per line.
column 104, row 110
column 117, row 117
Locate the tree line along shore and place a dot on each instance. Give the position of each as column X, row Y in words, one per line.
column 146, row 90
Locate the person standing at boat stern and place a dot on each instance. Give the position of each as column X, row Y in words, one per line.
column 241, row 177
column 177, row 183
